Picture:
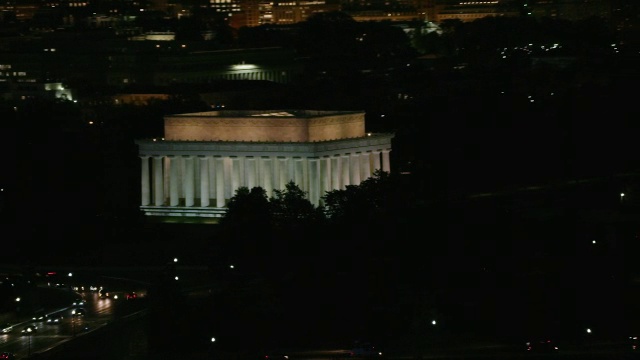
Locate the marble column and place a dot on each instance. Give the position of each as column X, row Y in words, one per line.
column 325, row 175
column 235, row 175
column 220, row 181
column 204, row 180
column 386, row 163
column 267, row 175
column 283, row 172
column 251, row 172
column 174, row 168
column 145, row 185
column 158, row 181
column 213, row 180
column 299, row 173
column 314, row 181
column 189, row 181
column 354, row 161
column 346, row 171
column 376, row 160
column 335, row 173
column 365, row 166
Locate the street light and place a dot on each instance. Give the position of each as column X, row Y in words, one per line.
column 18, row 308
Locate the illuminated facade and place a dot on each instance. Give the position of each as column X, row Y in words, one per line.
column 204, row 157
column 278, row 65
column 468, row 11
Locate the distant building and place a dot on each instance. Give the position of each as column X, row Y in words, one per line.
column 205, row 157
column 382, row 15
column 468, row 11
column 568, row 9
column 201, row 67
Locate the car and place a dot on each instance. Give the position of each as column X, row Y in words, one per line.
column 78, row 312
column 7, row 355
column 39, row 316
column 7, row 328
column 29, row 329
column 275, row 356
column 79, row 302
column 364, row 349
column 541, row 346
column 54, row 319
column 104, row 293
column 131, row 296
column 634, row 342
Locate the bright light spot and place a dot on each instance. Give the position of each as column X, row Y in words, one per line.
column 621, row 194
column 244, row 67
column 213, row 339
column 176, row 277
column 175, row 260
column 17, row 299
column 433, row 322
column 368, row 134
column 593, row 242
column 231, row 266
column 589, row 331
column 70, row 274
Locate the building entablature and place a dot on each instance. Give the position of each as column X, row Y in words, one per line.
column 369, row 143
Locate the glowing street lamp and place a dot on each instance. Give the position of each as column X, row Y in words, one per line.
column 18, row 308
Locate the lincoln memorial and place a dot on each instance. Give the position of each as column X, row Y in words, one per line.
column 204, row 157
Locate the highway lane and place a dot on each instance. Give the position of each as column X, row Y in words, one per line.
column 98, row 312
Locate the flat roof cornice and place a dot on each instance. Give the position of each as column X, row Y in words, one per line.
column 371, row 142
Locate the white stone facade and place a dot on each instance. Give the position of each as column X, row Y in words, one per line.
column 182, row 177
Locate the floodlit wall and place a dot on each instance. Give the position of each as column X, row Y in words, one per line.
column 264, row 126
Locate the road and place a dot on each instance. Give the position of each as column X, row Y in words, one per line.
column 99, row 312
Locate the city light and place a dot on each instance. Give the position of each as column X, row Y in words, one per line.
column 244, row 66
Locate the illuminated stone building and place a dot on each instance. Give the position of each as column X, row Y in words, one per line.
column 204, row 157
column 468, row 11
column 185, row 66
